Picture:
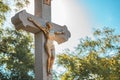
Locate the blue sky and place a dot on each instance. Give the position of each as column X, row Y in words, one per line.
column 81, row 16
column 105, row 12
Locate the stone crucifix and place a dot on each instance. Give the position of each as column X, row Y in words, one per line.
column 45, row 33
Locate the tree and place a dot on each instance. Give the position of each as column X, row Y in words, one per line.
column 5, row 6
column 15, row 55
column 16, row 58
column 96, row 58
column 3, row 9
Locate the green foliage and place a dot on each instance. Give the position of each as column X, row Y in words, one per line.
column 15, row 54
column 16, row 57
column 3, row 9
column 94, row 59
column 5, row 6
column 21, row 3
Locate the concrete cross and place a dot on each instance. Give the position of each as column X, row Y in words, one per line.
column 33, row 24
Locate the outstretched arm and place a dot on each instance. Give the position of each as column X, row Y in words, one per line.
column 36, row 24
column 57, row 33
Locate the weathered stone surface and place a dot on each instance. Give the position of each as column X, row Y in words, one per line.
column 40, row 58
column 42, row 15
column 20, row 20
column 63, row 37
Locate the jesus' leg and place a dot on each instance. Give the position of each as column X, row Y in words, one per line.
column 52, row 57
column 48, row 51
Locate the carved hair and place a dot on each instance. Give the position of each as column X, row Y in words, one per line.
column 48, row 24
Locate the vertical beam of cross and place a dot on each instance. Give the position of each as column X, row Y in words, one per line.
column 42, row 11
column 42, row 15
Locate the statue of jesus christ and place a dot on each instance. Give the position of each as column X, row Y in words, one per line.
column 49, row 46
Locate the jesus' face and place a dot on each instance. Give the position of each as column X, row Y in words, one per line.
column 48, row 25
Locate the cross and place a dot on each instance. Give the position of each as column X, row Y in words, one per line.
column 41, row 26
